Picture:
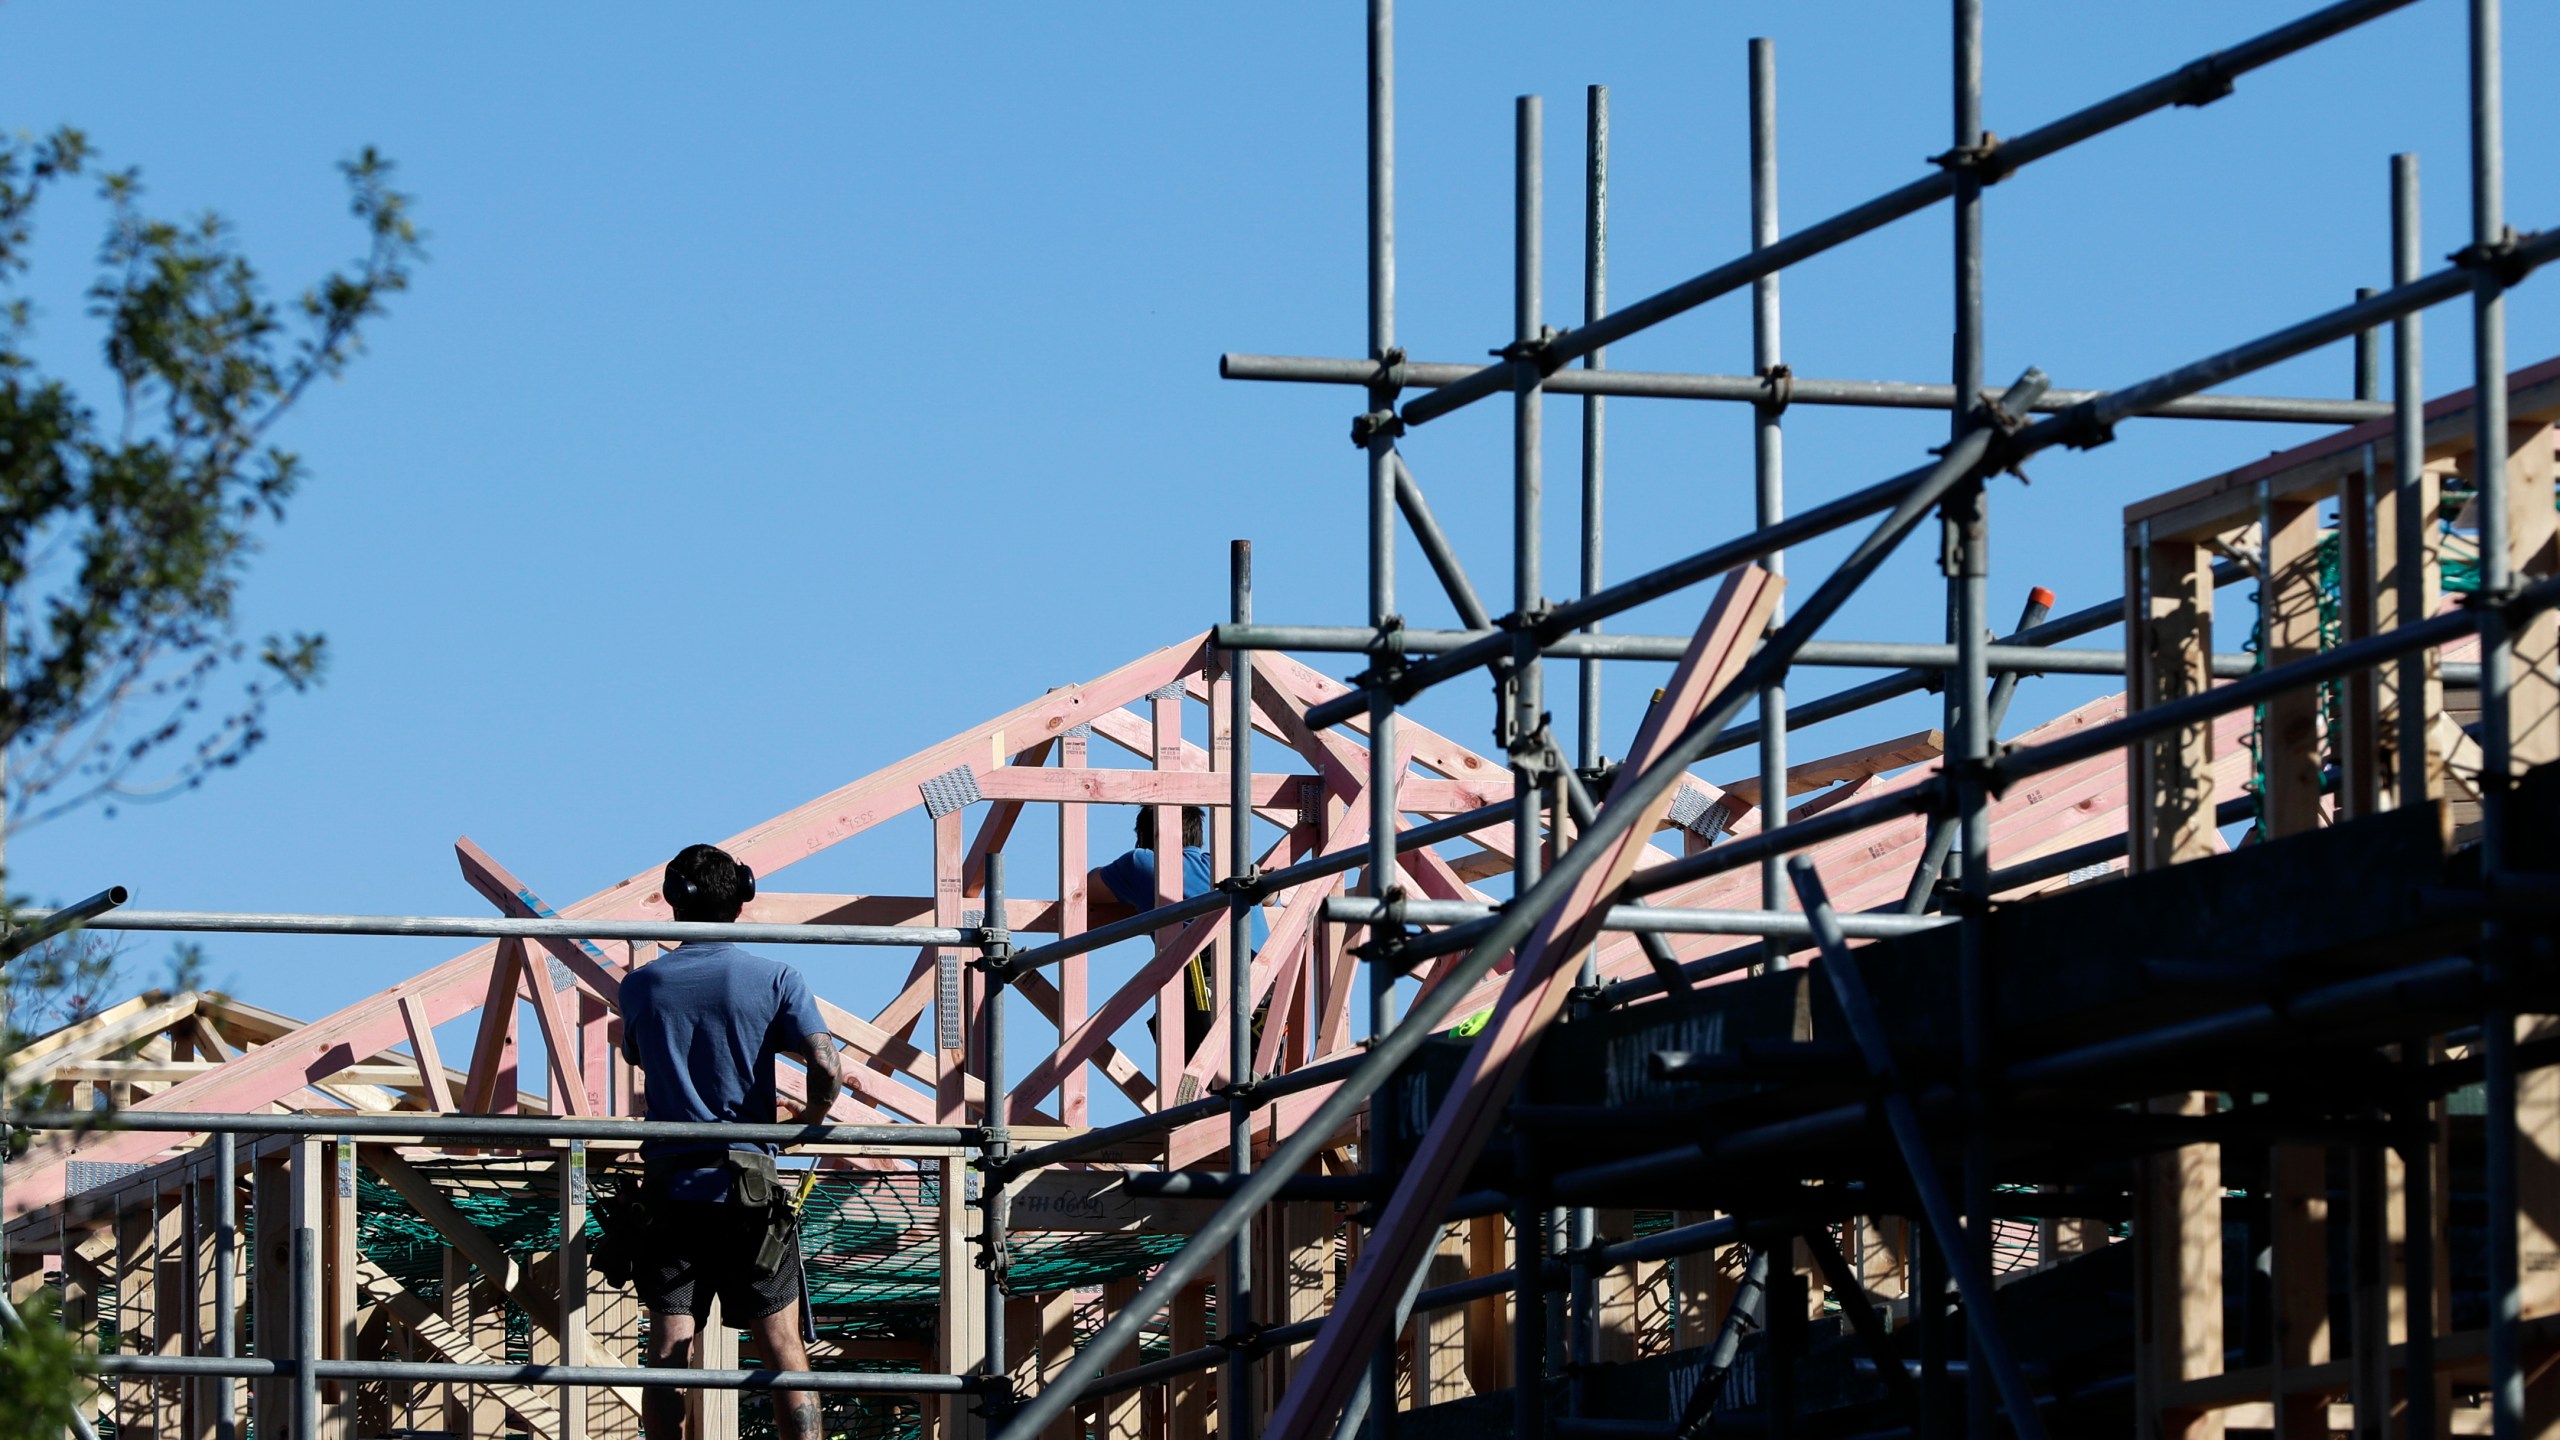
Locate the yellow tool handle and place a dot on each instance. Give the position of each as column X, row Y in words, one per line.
column 808, row 1184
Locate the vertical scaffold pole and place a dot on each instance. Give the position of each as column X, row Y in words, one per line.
column 996, row 1146
column 1521, row 727
column 2408, row 464
column 2408, row 445
column 1522, row 730
column 1595, row 414
column 226, row 1279
column 1968, row 581
column 2359, row 781
column 306, row 1333
column 2415, row 1122
column 1580, row 1229
column 1236, row 1303
column 1382, row 479
column 1768, row 457
column 2497, row 661
column 1382, row 569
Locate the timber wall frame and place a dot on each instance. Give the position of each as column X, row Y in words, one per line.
column 1438, row 1292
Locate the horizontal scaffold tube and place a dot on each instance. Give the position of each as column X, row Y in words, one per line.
column 250, row 922
column 493, row 1127
column 2063, row 862
column 1288, row 876
column 1663, row 1245
column 250, row 1367
column 2196, row 83
column 1784, row 924
column 1157, row 1121
column 2087, row 423
column 2205, row 705
column 1834, row 654
column 1800, row 390
column 2437, row 985
column 2081, row 745
column 1906, row 497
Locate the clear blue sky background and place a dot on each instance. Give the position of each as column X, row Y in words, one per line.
column 793, row 386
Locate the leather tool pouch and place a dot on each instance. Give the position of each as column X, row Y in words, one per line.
column 752, row 1179
column 781, row 1232
column 756, row 1186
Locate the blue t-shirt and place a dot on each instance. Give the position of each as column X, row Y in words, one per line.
column 706, row 1021
column 1132, row 880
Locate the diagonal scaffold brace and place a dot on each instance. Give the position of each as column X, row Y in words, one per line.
column 1902, row 1117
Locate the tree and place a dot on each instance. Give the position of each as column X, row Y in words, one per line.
column 123, row 543
column 124, row 537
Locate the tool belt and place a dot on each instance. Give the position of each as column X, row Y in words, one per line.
column 633, row 1228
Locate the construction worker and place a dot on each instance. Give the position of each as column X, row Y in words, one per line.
column 704, row 1023
column 1131, row 880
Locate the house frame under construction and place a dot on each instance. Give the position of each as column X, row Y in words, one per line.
column 1968, row 1081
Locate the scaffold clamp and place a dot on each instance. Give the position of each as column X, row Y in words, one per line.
column 1369, row 427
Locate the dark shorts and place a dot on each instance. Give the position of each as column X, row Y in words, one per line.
column 706, row 1249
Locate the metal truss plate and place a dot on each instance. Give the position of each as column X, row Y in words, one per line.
column 951, row 790
column 1687, row 807
column 80, row 1175
column 949, row 1033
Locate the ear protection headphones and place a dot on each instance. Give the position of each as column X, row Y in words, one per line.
column 683, row 894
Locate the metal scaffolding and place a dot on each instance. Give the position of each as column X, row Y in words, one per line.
column 1830, row 991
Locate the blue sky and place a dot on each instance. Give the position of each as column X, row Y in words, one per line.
column 793, row 386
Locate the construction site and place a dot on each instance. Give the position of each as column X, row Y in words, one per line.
column 2185, row 1065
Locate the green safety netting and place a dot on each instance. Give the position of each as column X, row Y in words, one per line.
column 868, row 1237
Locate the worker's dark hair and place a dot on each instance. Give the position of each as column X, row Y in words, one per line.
column 1195, row 827
column 704, row 882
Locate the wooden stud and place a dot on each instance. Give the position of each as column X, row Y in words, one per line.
column 596, row 1057
column 1702, row 1287
column 2177, row 1234
column 2388, row 564
column 1073, row 1005
column 339, row 1323
column 1614, row 1334
column 2289, row 599
column 204, row 1397
column 1172, row 1002
column 571, row 1248
column 960, row 1326
column 1190, row 1397
column 951, row 1062
column 2298, row 1203
column 1121, row 1415
column 1488, row 1319
column 137, row 1304
column 2533, row 553
column 1053, row 1333
column 270, row 1279
column 2171, row 619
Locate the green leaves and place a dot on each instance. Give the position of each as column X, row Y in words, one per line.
column 43, row 1372
column 123, row 542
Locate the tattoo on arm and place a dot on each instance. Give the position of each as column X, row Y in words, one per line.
column 826, row 1079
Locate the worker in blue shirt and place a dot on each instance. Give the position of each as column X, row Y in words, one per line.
column 705, row 1023
column 1131, row 881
